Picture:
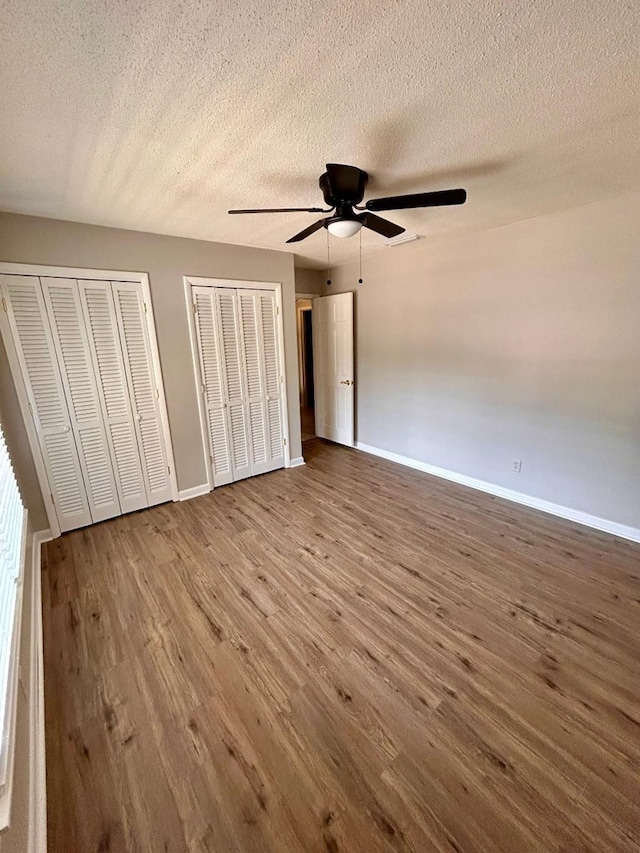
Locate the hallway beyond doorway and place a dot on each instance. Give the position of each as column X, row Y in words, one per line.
column 307, row 423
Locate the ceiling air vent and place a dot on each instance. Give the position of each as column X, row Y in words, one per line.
column 403, row 238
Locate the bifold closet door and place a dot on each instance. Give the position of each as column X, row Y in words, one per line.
column 240, row 380
column 144, row 394
column 104, row 342
column 222, row 383
column 257, row 314
column 66, row 320
column 212, row 385
column 31, row 332
column 235, row 401
column 85, row 355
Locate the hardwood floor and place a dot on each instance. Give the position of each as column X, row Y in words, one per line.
column 350, row 656
column 307, row 423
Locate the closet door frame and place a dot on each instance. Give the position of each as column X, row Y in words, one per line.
column 275, row 286
column 19, row 382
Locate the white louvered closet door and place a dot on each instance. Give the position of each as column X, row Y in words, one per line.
column 235, row 395
column 37, row 356
column 104, row 342
column 212, row 384
column 143, row 392
column 78, row 379
column 255, row 413
column 257, row 316
column 272, row 378
column 241, row 388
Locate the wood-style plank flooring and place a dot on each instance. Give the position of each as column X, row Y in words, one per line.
column 350, row 656
column 307, row 423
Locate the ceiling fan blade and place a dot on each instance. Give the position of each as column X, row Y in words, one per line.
column 380, row 225
column 404, row 202
column 307, row 231
column 346, row 182
column 283, row 210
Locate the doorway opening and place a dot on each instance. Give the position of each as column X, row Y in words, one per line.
column 304, row 313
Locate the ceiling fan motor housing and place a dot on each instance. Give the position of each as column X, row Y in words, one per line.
column 347, row 192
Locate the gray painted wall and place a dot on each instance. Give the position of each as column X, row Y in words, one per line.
column 309, row 281
column 26, row 239
column 519, row 342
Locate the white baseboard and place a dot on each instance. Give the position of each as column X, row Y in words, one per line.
column 37, row 752
column 39, row 537
column 297, row 462
column 194, row 492
column 622, row 530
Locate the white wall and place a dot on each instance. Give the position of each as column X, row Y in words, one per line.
column 518, row 342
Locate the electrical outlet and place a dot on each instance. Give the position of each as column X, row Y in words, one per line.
column 516, row 465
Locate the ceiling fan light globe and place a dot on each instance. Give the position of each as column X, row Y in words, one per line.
column 344, row 227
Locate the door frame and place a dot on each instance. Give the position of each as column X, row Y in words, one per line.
column 190, row 282
column 302, row 378
column 39, row 270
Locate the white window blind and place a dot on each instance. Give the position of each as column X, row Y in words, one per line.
column 12, row 534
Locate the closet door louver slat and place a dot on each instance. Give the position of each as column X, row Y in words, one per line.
column 210, row 355
column 138, row 364
column 36, row 353
column 104, row 342
column 76, row 370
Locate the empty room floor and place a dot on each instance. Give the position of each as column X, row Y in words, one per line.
column 349, row 656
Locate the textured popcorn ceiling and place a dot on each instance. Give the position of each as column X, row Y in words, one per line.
column 159, row 116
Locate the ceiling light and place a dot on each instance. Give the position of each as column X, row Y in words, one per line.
column 344, row 227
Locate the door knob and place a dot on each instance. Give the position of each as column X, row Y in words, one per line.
column 346, row 382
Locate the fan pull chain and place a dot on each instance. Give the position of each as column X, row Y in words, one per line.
column 328, row 258
column 360, row 268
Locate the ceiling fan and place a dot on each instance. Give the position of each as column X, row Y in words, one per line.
column 343, row 190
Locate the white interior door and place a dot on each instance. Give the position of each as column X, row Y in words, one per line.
column 69, row 335
column 37, row 357
column 333, row 367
